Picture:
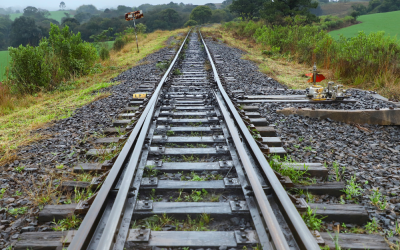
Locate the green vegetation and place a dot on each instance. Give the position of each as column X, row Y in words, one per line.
column 19, row 169
column 355, row 61
column 68, row 223
column 2, row 192
column 4, row 60
column 387, row 22
column 372, row 227
column 57, row 58
column 195, row 196
column 163, row 66
column 311, row 219
column 283, row 166
column 150, row 171
column 339, row 173
column 377, row 200
column 156, row 223
column 56, row 15
column 17, row 211
column 353, row 189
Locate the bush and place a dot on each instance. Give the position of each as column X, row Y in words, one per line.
column 190, row 23
column 57, row 58
column 119, row 43
column 104, row 53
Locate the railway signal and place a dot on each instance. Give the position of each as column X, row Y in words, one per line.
column 132, row 16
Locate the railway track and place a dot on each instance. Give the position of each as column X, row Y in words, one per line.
column 192, row 161
column 191, row 174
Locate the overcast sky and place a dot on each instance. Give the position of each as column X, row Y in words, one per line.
column 100, row 4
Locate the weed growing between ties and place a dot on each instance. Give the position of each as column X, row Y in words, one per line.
column 311, row 219
column 287, row 168
column 158, row 223
column 194, row 196
column 377, row 199
column 71, row 222
column 353, row 190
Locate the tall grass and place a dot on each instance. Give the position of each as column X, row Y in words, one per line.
column 371, row 60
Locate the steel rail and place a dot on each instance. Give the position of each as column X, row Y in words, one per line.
column 304, row 237
column 88, row 225
column 110, row 230
column 269, row 217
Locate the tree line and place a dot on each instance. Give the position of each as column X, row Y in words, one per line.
column 89, row 21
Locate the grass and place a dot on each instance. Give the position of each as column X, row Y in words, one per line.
column 56, row 15
column 19, row 115
column 387, row 22
column 157, row 222
column 3, row 63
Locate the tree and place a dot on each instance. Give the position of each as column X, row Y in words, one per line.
column 274, row 10
column 24, row 31
column 35, row 13
column 70, row 22
column 201, row 14
column 62, row 5
column 83, row 17
column 87, row 9
column 5, row 29
column 218, row 16
column 169, row 15
column 226, row 3
column 123, row 9
column 247, row 9
column 190, row 23
column 211, row 5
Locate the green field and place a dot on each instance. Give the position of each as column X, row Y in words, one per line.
column 3, row 63
column 388, row 22
column 56, row 15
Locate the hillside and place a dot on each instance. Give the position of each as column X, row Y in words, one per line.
column 388, row 22
column 339, row 9
column 56, row 15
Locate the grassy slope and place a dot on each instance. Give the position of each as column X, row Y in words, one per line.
column 56, row 15
column 388, row 22
column 20, row 115
column 3, row 63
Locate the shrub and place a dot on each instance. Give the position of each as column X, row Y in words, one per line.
column 57, row 58
column 119, row 43
column 104, row 53
column 190, row 23
column 141, row 28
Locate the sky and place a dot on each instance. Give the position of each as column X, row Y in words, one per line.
column 100, row 4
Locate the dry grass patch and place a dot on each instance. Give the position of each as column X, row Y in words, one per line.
column 21, row 114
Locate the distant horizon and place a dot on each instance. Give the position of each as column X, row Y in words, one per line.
column 100, row 4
